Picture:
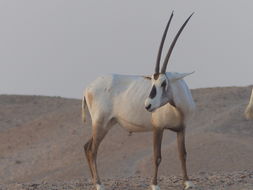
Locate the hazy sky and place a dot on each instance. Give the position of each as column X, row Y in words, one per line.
column 57, row 47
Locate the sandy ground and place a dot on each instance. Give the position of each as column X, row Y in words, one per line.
column 242, row 180
column 42, row 138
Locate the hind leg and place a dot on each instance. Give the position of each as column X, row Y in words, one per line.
column 87, row 148
column 91, row 149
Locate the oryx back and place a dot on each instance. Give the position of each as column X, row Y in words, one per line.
column 120, row 97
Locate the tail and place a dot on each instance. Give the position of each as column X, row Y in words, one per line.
column 84, row 109
column 249, row 110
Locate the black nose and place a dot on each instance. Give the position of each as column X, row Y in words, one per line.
column 147, row 107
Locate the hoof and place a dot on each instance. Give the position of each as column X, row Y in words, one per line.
column 100, row 187
column 155, row 187
column 188, row 185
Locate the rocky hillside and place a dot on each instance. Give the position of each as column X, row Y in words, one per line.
column 42, row 138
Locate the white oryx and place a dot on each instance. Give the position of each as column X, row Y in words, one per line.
column 249, row 109
column 139, row 104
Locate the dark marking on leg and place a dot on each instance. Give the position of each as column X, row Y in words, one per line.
column 182, row 152
column 87, row 150
column 157, row 142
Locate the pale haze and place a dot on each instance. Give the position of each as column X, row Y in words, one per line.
column 57, row 47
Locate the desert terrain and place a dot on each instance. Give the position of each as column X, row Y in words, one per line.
column 42, row 138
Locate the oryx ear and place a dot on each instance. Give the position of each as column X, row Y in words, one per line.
column 179, row 76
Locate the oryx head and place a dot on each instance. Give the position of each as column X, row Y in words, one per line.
column 161, row 91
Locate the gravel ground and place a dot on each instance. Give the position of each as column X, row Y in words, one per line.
column 240, row 180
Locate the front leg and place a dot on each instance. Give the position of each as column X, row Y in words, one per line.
column 157, row 142
column 182, row 155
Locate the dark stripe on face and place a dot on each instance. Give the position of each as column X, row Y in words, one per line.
column 156, row 75
column 153, row 92
column 163, row 84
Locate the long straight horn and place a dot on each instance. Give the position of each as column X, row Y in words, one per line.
column 157, row 67
column 166, row 60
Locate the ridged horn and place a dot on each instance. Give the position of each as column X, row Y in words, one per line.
column 157, row 67
column 166, row 60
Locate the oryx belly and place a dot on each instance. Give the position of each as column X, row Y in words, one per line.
column 134, row 126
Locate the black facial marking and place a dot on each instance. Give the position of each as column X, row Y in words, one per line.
column 153, row 92
column 163, row 84
column 156, row 75
column 149, row 106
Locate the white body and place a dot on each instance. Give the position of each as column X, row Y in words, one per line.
column 137, row 103
column 120, row 98
column 249, row 108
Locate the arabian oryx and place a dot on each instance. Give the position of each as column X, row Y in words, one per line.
column 140, row 104
column 249, row 109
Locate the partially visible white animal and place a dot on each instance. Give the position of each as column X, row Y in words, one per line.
column 139, row 104
column 249, row 109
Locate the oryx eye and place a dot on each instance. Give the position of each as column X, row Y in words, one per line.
column 163, row 84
